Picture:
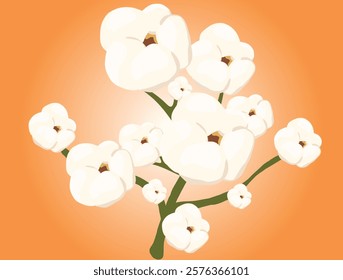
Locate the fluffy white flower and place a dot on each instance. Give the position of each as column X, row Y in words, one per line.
column 145, row 49
column 297, row 144
column 179, row 88
column 185, row 229
column 51, row 129
column 239, row 196
column 142, row 142
column 220, row 62
column 154, row 192
column 204, row 143
column 257, row 112
column 100, row 175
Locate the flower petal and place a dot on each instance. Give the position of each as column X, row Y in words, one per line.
column 240, row 72
column 290, row 152
column 198, row 239
column 173, row 34
column 121, row 164
column 206, row 67
column 44, row 137
column 82, row 155
column 131, row 65
column 64, row 139
column 257, row 126
column 220, row 34
column 142, row 154
column 55, row 109
column 179, row 238
column 310, row 154
column 38, row 120
column 237, row 147
column 174, row 220
column 118, row 24
column 265, row 112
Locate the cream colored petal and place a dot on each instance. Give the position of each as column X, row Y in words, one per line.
column 290, row 152
column 142, row 154
column 237, row 50
column 64, row 123
column 38, row 120
column 202, row 109
column 240, row 72
column 315, row 139
column 198, row 239
column 240, row 103
column 80, row 182
column 310, row 154
column 174, row 220
column 154, row 137
column 179, row 238
column 264, row 111
column 129, row 132
column 55, row 109
column 220, row 34
column 257, row 126
column 177, row 135
column 206, row 67
column 159, row 198
column 284, row 136
column 105, row 188
column 120, row 23
column 44, row 137
column 132, row 66
column 108, row 148
column 232, row 120
column 64, row 139
column 189, row 211
column 173, row 34
column 153, row 16
column 237, row 147
column 121, row 164
column 202, row 163
column 82, row 155
column 149, row 193
column 301, row 125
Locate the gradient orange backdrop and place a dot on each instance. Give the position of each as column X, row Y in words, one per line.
column 50, row 52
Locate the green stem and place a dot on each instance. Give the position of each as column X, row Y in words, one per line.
column 223, row 196
column 65, row 152
column 166, row 108
column 165, row 166
column 220, row 98
column 175, row 193
column 140, row 181
column 157, row 247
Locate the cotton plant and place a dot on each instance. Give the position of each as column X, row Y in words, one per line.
column 202, row 143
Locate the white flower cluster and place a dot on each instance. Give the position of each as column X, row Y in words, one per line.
column 204, row 142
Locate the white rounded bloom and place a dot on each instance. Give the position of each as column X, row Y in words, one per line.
column 142, row 142
column 185, row 229
column 204, row 143
column 220, row 62
column 144, row 48
column 100, row 174
column 239, row 196
column 179, row 88
column 154, row 192
column 257, row 112
column 51, row 129
column 297, row 144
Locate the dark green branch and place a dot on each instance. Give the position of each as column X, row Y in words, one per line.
column 223, row 196
column 176, row 191
column 164, row 165
column 220, row 98
column 166, row 108
column 65, row 152
column 141, row 182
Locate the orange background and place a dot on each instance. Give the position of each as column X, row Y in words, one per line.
column 50, row 52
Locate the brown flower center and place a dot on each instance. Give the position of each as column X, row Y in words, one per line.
column 144, row 140
column 302, row 143
column 156, row 192
column 241, row 196
column 227, row 60
column 57, row 128
column 252, row 112
column 150, row 39
column 190, row 229
column 182, row 89
column 103, row 167
column 215, row 137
